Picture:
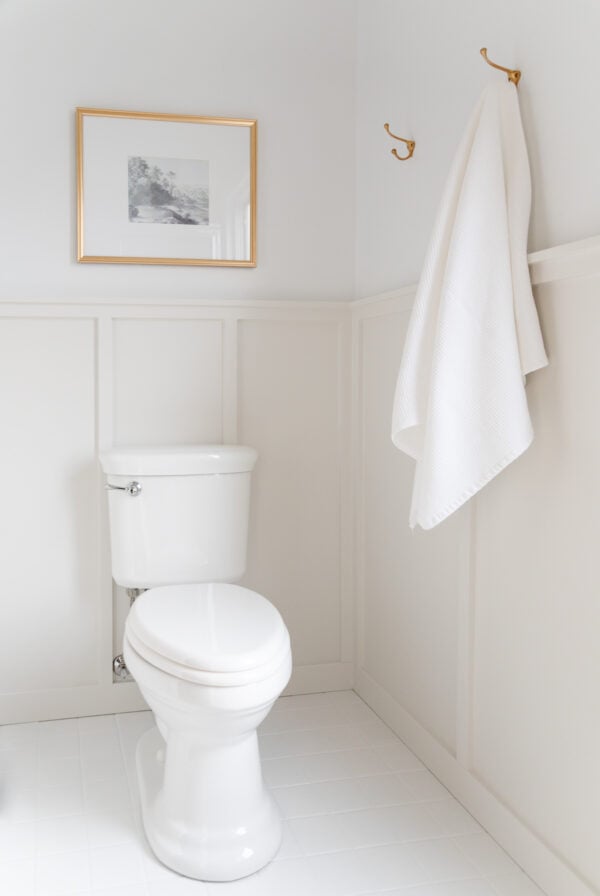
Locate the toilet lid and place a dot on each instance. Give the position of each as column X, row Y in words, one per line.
column 212, row 627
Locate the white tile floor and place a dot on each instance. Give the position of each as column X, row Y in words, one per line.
column 362, row 814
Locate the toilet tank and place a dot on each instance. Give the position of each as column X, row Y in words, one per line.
column 178, row 515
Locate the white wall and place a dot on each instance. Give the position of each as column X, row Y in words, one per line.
column 407, row 634
column 287, row 63
column 93, row 355
column 419, row 69
column 76, row 379
column 477, row 641
column 96, row 355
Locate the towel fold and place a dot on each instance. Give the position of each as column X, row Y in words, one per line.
column 460, row 407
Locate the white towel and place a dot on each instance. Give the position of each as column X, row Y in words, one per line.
column 460, row 407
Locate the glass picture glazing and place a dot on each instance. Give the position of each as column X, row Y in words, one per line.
column 167, row 191
column 138, row 172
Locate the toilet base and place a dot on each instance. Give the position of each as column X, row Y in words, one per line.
column 205, row 809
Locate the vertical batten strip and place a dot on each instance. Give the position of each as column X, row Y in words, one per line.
column 346, row 597
column 104, row 440
column 229, row 360
column 465, row 633
column 99, row 694
column 358, row 429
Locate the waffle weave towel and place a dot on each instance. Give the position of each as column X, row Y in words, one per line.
column 460, row 407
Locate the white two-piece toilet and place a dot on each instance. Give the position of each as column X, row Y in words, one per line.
column 209, row 657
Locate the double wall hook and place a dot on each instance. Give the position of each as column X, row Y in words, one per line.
column 410, row 145
column 514, row 75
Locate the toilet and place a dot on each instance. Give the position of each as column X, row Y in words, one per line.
column 209, row 656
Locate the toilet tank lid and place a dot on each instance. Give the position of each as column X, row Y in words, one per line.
column 178, row 460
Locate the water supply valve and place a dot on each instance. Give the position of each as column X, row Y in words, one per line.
column 120, row 670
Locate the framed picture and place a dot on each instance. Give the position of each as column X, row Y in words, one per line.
column 154, row 188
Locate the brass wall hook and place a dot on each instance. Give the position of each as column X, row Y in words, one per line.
column 514, row 75
column 410, row 145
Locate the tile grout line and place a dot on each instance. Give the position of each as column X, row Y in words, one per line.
column 36, row 807
column 84, row 808
column 435, row 854
column 133, row 802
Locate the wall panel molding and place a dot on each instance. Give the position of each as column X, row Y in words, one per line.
column 536, row 857
column 335, row 668
column 578, row 259
column 546, row 859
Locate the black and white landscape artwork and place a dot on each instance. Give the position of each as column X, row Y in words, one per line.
column 168, row 191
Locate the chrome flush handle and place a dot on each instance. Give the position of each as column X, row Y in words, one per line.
column 132, row 488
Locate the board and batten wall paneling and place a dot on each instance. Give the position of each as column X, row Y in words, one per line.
column 408, row 623
column 514, row 580
column 167, row 389
column 77, row 379
column 536, row 700
column 291, row 390
column 49, row 507
column 168, row 381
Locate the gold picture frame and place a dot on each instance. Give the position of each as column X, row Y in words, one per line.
column 144, row 177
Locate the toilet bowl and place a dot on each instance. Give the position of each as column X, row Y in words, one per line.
column 210, row 657
column 210, row 661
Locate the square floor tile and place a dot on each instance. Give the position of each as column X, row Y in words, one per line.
column 110, row 827
column 17, row 841
column 18, row 804
column 130, row 890
column 358, row 714
column 92, row 743
column 102, row 766
column 443, row 861
column 17, row 878
column 105, row 795
column 320, row 798
column 58, row 738
column 423, row 785
column 398, row 757
column 385, row 790
column 295, row 743
column 62, row 800
column 19, row 768
column 290, row 847
column 486, row 855
column 96, row 725
column 122, row 864
column 178, row 886
column 357, row 871
column 289, row 877
column 131, row 725
column 514, row 885
column 66, row 834
column 362, row 815
column 447, row 888
column 18, row 736
column 321, row 833
column 61, row 873
column 376, row 732
column 454, row 818
column 58, row 771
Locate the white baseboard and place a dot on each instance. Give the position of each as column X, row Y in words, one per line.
column 67, row 703
column 536, row 858
column 97, row 700
column 321, row 677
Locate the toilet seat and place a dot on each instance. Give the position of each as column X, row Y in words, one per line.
column 214, row 634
